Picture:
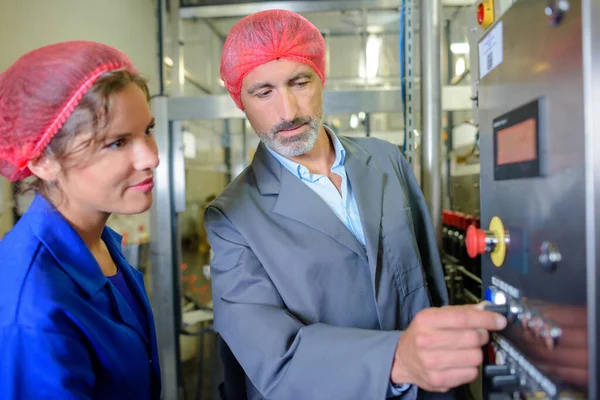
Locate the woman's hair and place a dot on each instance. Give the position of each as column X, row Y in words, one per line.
column 92, row 115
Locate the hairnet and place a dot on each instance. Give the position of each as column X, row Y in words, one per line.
column 40, row 91
column 266, row 36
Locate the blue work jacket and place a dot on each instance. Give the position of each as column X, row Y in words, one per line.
column 66, row 332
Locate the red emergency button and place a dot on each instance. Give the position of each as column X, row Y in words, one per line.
column 476, row 241
column 485, row 13
column 480, row 13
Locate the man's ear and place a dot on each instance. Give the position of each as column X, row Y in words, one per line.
column 45, row 168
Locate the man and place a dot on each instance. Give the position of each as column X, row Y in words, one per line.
column 325, row 265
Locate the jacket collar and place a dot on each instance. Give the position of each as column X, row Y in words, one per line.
column 65, row 245
column 296, row 201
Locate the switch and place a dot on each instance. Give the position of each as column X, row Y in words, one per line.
column 496, row 370
column 502, row 309
column 506, row 382
column 485, row 13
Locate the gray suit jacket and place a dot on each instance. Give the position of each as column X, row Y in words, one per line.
column 307, row 311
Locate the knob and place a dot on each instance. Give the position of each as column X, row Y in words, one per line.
column 496, row 370
column 505, row 382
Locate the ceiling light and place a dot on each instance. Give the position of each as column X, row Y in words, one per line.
column 460, row 48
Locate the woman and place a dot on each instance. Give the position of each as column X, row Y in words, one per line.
column 75, row 321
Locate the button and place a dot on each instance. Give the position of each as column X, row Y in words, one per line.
column 549, row 256
column 476, row 241
column 496, row 370
column 323, row 180
column 485, row 13
column 506, row 382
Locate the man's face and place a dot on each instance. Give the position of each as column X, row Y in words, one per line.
column 283, row 101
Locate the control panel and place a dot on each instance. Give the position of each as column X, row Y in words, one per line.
column 536, row 238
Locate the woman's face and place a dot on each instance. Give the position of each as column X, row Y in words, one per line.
column 115, row 175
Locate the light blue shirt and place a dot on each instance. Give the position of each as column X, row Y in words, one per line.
column 344, row 205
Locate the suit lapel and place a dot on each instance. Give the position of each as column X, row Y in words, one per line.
column 366, row 182
column 297, row 201
column 300, row 203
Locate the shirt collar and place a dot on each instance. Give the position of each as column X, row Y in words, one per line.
column 300, row 170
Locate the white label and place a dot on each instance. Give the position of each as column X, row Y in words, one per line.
column 491, row 51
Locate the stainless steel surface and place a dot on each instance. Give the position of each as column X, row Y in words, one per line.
column 550, row 63
column 165, row 282
column 591, row 83
column 410, row 22
column 334, row 102
column 431, row 110
column 465, row 194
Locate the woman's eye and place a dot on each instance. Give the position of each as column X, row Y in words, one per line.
column 116, row 144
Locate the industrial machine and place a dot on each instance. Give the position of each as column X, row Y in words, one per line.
column 538, row 106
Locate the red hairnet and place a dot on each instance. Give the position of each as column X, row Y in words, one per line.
column 266, row 36
column 40, row 91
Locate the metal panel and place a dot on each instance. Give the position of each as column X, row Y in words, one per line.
column 545, row 61
column 165, row 275
column 334, row 102
column 237, row 9
column 465, row 194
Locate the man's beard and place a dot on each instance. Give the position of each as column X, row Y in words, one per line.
column 298, row 144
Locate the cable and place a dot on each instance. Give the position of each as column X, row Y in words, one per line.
column 402, row 74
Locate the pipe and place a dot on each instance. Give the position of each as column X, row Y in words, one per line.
column 449, row 116
column 160, row 16
column 431, row 106
column 178, row 71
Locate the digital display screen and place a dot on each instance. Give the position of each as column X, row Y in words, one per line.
column 517, row 143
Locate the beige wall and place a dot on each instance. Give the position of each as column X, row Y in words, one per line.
column 128, row 25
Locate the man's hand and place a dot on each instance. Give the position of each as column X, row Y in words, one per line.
column 441, row 348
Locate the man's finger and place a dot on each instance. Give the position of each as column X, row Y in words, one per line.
column 453, row 339
column 455, row 359
column 462, row 317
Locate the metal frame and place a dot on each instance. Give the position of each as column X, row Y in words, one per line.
column 242, row 9
column 334, row 102
column 164, row 250
column 591, row 93
column 431, row 109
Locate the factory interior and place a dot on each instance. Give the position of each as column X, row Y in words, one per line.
column 494, row 103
